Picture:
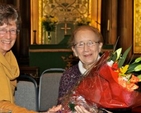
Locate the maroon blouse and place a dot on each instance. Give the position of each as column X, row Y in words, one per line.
column 68, row 80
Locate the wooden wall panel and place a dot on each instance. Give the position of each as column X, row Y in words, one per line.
column 109, row 21
column 125, row 24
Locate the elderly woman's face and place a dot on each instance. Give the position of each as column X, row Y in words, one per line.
column 7, row 37
column 87, row 47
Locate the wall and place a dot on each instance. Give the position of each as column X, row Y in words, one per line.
column 119, row 12
column 109, row 21
column 120, row 16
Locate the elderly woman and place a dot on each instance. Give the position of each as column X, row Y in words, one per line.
column 9, row 70
column 86, row 43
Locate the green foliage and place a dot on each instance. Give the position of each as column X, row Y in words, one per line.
column 49, row 22
column 123, row 57
column 71, row 106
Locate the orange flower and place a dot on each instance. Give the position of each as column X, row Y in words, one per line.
column 134, row 79
column 131, row 86
column 122, row 82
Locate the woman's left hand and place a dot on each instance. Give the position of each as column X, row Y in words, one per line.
column 81, row 109
column 54, row 109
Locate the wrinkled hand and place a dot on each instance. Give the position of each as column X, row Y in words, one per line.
column 54, row 109
column 81, row 109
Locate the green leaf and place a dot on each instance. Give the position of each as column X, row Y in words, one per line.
column 132, row 67
column 115, row 55
column 137, row 60
column 123, row 58
column 71, row 106
column 139, row 76
column 118, row 51
column 138, row 68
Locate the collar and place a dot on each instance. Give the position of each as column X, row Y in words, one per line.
column 81, row 68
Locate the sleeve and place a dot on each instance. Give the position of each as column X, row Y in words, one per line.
column 68, row 80
column 14, row 108
column 64, row 84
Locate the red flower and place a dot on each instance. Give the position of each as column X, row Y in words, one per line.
column 115, row 66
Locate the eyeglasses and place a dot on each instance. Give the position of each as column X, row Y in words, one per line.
column 5, row 31
column 82, row 44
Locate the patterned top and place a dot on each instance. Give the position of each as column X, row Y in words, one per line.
column 68, row 80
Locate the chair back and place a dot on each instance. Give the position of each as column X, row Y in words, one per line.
column 48, row 88
column 26, row 94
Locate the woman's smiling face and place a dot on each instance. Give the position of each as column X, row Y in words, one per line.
column 87, row 47
column 7, row 36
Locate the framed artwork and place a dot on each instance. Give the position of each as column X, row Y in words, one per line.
column 137, row 27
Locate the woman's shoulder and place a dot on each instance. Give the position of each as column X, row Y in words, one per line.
column 72, row 72
column 73, row 69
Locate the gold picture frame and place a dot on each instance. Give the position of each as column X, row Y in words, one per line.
column 137, row 27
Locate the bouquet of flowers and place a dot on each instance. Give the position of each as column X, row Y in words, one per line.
column 49, row 22
column 108, row 84
column 82, row 21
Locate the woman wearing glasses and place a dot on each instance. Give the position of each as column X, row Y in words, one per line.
column 86, row 43
column 9, row 69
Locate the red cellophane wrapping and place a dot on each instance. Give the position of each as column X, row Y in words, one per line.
column 100, row 87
